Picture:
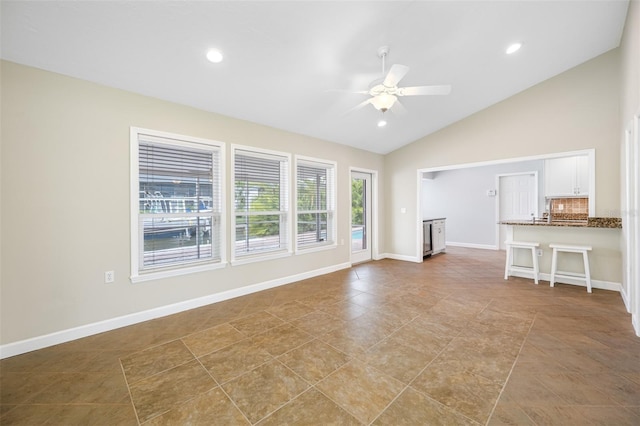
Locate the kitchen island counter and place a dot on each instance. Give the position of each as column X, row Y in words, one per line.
column 592, row 222
column 603, row 234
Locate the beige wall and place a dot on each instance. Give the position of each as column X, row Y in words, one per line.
column 576, row 110
column 65, row 201
column 630, row 65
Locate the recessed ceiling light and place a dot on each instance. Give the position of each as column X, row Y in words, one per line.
column 513, row 48
column 214, row 55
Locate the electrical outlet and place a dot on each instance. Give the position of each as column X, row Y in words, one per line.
column 539, row 252
column 109, row 277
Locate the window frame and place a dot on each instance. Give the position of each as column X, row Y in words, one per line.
column 331, row 201
column 140, row 274
column 284, row 212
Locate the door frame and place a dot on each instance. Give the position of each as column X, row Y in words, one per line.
column 374, row 211
column 536, row 195
column 417, row 256
column 632, row 196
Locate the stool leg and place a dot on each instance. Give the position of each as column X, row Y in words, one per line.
column 535, row 265
column 554, row 261
column 507, row 263
column 587, row 271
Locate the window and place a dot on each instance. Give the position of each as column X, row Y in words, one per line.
column 176, row 204
column 261, row 220
column 315, row 214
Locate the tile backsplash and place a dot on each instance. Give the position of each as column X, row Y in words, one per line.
column 569, row 208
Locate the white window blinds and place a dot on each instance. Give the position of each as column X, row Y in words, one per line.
column 179, row 203
column 261, row 219
column 315, row 183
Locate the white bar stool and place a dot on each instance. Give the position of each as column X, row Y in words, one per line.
column 586, row 277
column 509, row 267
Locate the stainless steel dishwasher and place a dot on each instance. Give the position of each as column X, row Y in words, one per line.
column 427, row 242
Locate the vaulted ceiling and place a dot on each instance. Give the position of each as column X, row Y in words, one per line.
column 283, row 61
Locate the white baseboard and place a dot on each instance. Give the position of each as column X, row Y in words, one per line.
column 602, row 285
column 635, row 320
column 471, row 245
column 403, row 257
column 625, row 298
column 39, row 342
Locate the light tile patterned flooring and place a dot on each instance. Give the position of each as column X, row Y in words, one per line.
column 388, row 342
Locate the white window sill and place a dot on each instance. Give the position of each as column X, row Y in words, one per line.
column 259, row 258
column 166, row 273
column 316, row 248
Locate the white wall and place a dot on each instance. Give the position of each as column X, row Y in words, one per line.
column 65, row 202
column 460, row 195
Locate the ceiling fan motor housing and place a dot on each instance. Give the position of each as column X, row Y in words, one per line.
column 383, row 51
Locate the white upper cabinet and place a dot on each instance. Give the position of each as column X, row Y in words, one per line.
column 566, row 176
column 582, row 175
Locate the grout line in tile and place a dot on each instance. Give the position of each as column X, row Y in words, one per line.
column 330, row 398
column 157, row 372
column 235, row 405
column 126, row 383
column 515, row 361
column 445, row 348
column 150, row 347
column 283, row 405
column 220, row 384
column 416, row 376
column 311, row 386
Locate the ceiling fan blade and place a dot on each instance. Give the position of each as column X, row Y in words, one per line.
column 398, row 109
column 358, row 92
column 395, row 74
column 424, row 90
column 357, row 107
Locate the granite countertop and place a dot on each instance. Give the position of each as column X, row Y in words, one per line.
column 592, row 222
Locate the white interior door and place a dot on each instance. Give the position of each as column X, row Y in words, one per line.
column 517, row 199
column 360, row 217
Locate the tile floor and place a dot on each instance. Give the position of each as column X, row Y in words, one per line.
column 388, row 342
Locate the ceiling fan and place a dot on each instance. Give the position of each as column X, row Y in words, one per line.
column 384, row 91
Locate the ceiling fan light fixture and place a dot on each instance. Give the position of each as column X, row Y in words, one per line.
column 382, row 122
column 215, row 56
column 383, row 102
column 513, row 48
